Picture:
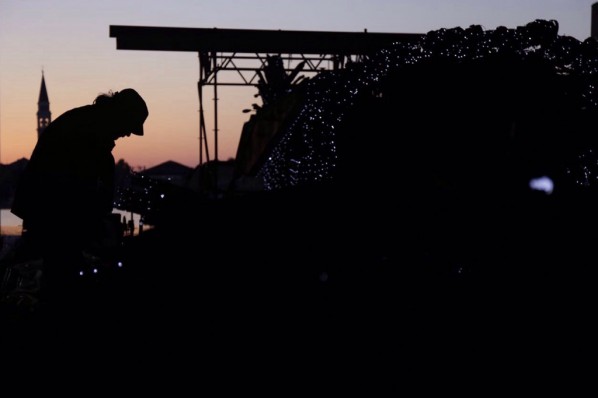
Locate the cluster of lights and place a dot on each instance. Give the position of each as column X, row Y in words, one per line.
column 142, row 196
column 94, row 271
column 307, row 151
column 584, row 171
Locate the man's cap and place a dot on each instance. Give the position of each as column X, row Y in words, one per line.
column 134, row 108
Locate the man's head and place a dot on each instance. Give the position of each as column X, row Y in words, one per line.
column 132, row 110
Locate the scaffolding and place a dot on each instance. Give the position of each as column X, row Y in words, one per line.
column 238, row 55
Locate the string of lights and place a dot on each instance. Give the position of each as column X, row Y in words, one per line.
column 307, row 152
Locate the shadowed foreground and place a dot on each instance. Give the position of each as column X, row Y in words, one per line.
column 221, row 304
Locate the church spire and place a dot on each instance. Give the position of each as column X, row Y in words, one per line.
column 44, row 116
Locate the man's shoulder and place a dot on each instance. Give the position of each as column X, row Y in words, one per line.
column 81, row 111
column 74, row 119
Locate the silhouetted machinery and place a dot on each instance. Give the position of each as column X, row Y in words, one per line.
column 451, row 138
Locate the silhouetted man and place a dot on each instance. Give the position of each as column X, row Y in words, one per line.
column 67, row 188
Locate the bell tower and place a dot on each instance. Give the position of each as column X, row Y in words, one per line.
column 44, row 116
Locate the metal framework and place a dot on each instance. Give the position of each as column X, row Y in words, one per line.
column 238, row 55
column 234, row 69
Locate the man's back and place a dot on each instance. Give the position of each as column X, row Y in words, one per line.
column 71, row 167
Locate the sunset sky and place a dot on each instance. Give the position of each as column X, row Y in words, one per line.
column 70, row 40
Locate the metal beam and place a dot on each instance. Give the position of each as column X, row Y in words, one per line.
column 252, row 41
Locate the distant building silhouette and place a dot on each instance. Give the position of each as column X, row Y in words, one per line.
column 44, row 116
column 169, row 171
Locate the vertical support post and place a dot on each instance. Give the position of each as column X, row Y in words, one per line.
column 204, row 71
column 201, row 122
column 215, row 68
column 215, row 109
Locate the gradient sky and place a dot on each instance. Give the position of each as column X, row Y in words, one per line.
column 70, row 40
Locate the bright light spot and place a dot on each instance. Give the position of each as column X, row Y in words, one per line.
column 542, row 184
column 95, row 270
column 81, row 273
column 120, row 264
column 161, row 196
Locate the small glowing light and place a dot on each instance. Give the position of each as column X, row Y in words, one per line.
column 120, row 264
column 95, row 270
column 542, row 184
column 80, row 273
column 161, row 196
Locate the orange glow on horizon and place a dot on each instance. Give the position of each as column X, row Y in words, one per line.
column 171, row 130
